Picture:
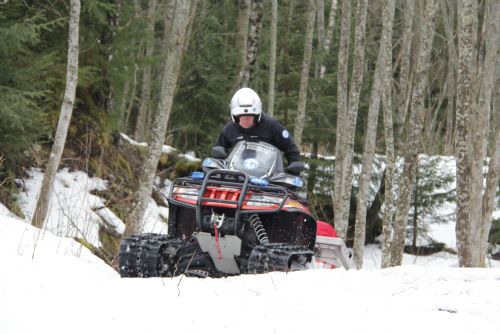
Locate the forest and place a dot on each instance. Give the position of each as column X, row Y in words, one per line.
column 379, row 85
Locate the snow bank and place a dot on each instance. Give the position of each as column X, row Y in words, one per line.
column 75, row 212
column 63, row 288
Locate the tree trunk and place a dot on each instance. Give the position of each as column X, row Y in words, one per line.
column 405, row 59
column 161, row 116
column 285, row 56
column 246, row 74
column 448, row 17
column 345, row 183
column 415, row 128
column 272, row 57
column 42, row 204
column 192, row 13
column 145, row 100
column 371, row 130
column 387, row 228
column 481, row 120
column 168, row 19
column 328, row 38
column 131, row 99
column 480, row 138
column 465, row 105
column 320, row 27
column 492, row 178
column 244, row 11
column 304, row 78
column 342, row 90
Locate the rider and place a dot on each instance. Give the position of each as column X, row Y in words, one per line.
column 250, row 123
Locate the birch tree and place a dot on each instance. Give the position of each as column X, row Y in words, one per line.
column 244, row 11
column 161, row 116
column 481, row 120
column 246, row 74
column 405, row 58
column 448, row 18
column 387, row 228
column 492, row 179
column 320, row 29
column 344, row 182
column 415, row 127
column 465, row 103
column 304, row 78
column 43, row 201
column 327, row 42
column 371, row 129
column 272, row 57
column 342, row 90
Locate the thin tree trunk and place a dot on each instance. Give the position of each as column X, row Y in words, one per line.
column 285, row 55
column 272, row 57
column 480, row 138
column 465, row 105
column 405, row 58
column 246, row 74
column 145, row 100
column 492, row 178
column 415, row 127
column 42, row 204
column 345, row 184
column 123, row 105
column 342, row 90
column 448, row 18
column 162, row 114
column 245, row 8
column 328, row 38
column 387, row 228
column 371, row 130
column 131, row 98
column 320, row 28
column 192, row 13
column 304, row 78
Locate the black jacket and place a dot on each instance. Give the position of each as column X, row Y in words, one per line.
column 268, row 130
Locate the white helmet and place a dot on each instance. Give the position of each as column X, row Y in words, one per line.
column 246, row 102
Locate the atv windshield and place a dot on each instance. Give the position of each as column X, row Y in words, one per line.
column 257, row 159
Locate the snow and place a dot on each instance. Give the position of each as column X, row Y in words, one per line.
column 49, row 283
column 60, row 287
column 71, row 204
column 165, row 148
column 75, row 212
column 190, row 156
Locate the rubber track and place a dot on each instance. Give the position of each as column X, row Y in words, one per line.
column 276, row 257
column 147, row 255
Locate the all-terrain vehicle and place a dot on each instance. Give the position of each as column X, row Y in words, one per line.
column 242, row 214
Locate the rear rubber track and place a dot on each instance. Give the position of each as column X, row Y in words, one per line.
column 277, row 257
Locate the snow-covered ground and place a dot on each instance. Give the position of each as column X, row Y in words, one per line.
column 75, row 212
column 53, row 285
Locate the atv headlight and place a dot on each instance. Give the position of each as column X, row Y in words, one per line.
column 263, row 200
column 186, row 192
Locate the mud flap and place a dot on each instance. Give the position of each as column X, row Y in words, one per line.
column 222, row 252
column 333, row 251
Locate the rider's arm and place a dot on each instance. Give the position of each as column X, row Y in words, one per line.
column 285, row 143
column 223, row 139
